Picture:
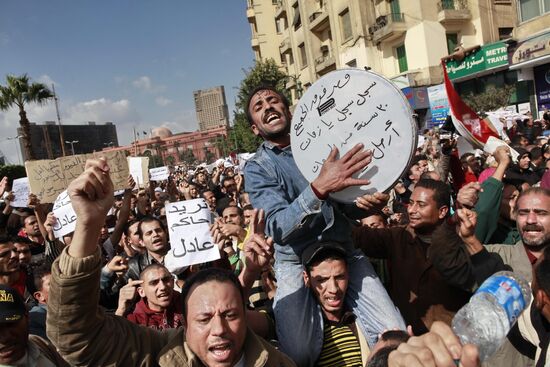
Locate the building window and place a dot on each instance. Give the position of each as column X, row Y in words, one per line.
column 529, row 9
column 345, row 23
column 290, row 58
column 401, row 58
column 303, row 56
column 505, row 33
column 395, row 11
column 297, row 22
column 452, row 41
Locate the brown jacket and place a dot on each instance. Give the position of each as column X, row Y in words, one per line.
column 416, row 287
column 86, row 336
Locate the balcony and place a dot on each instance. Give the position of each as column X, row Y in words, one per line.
column 388, row 27
column 318, row 20
column 250, row 13
column 284, row 47
column 280, row 10
column 324, row 62
column 453, row 11
column 255, row 43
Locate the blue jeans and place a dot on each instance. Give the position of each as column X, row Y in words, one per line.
column 298, row 316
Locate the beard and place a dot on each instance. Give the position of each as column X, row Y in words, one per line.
column 536, row 242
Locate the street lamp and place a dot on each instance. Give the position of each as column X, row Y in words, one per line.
column 72, row 144
column 15, row 140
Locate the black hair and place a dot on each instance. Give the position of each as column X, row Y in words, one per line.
column 128, row 225
column 380, row 358
column 150, row 267
column 21, row 239
column 542, row 271
column 148, row 219
column 256, row 90
column 442, row 191
column 324, row 255
column 38, row 276
column 209, row 275
column 5, row 239
column 248, row 207
column 239, row 210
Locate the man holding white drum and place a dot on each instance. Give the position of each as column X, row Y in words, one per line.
column 300, row 214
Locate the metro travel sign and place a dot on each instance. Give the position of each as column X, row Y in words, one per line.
column 491, row 56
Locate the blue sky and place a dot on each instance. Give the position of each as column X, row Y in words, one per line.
column 133, row 62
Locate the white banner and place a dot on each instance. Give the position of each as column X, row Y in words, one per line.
column 64, row 214
column 138, row 167
column 159, row 173
column 21, row 191
column 189, row 231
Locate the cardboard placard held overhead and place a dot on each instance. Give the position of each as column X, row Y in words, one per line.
column 139, row 169
column 21, row 191
column 159, row 173
column 49, row 178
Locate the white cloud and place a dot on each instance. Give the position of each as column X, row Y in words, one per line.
column 46, row 79
column 163, row 101
column 144, row 83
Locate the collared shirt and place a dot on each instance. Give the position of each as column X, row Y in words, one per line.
column 294, row 214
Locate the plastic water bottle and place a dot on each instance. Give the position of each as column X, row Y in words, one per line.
column 492, row 311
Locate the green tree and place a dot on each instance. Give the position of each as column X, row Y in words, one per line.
column 18, row 92
column 12, row 172
column 491, row 99
column 187, row 156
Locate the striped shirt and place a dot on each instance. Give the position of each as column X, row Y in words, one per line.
column 340, row 344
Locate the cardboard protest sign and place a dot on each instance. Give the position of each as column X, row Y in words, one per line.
column 138, row 167
column 189, row 231
column 64, row 214
column 159, row 173
column 347, row 107
column 21, row 191
column 48, row 178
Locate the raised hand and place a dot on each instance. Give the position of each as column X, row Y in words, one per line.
column 127, row 295
column 468, row 195
column 91, row 193
column 376, row 201
column 336, row 174
column 3, row 185
column 440, row 347
column 258, row 249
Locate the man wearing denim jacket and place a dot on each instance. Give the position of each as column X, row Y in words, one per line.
column 300, row 214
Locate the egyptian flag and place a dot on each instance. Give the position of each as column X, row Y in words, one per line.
column 466, row 121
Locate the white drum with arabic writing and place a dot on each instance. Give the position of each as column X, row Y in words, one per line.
column 353, row 106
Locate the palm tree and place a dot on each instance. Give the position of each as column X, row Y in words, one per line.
column 18, row 92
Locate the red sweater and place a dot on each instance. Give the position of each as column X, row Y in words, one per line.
column 167, row 319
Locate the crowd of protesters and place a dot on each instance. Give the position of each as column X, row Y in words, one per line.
column 302, row 279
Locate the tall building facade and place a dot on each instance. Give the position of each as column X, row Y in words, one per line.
column 211, row 108
column 46, row 139
column 402, row 40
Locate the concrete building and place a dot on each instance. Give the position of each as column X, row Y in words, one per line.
column 87, row 138
column 530, row 53
column 402, row 40
column 176, row 148
column 211, row 108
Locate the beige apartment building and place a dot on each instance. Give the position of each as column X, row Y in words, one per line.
column 211, row 108
column 402, row 39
